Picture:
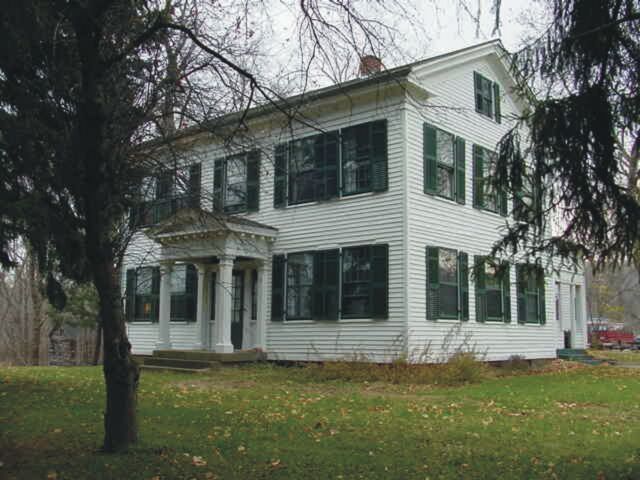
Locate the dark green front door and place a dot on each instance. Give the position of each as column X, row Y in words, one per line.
column 237, row 291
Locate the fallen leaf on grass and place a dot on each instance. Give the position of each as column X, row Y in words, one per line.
column 198, row 461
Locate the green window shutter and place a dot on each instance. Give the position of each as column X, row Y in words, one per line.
column 430, row 158
column 477, row 91
column 280, row 176
column 278, row 287
column 496, row 103
column 478, row 173
column 460, row 161
column 503, row 206
column 379, row 281
column 325, row 285
column 542, row 310
column 253, row 181
column 155, row 292
column 195, row 180
column 218, row 184
column 520, row 290
column 506, row 292
column 379, row 156
column 191, row 294
column 481, row 292
column 320, row 163
column 330, row 177
column 463, row 272
column 130, row 294
column 433, row 283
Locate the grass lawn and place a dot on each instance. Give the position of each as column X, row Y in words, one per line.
column 625, row 356
column 264, row 421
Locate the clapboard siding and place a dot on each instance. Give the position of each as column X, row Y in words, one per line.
column 355, row 220
column 438, row 222
column 363, row 219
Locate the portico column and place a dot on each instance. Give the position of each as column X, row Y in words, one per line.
column 264, row 270
column 201, row 307
column 224, row 305
column 164, row 334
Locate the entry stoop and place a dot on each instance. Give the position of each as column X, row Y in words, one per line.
column 197, row 361
column 578, row 355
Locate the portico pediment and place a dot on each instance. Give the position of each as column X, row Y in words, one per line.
column 195, row 233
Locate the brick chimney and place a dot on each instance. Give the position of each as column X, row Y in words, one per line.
column 370, row 64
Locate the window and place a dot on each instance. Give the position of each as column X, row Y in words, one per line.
column 447, row 284
column 142, row 294
column 528, row 199
column 305, row 155
column 162, row 196
column 493, row 285
column 364, row 153
column 443, row 164
column 310, row 286
column 531, row 296
column 236, row 183
column 485, row 194
column 184, row 292
column 299, row 286
column 307, row 170
column 487, row 97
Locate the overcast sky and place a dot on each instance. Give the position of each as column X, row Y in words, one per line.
column 425, row 28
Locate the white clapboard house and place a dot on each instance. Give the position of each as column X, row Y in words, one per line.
column 352, row 233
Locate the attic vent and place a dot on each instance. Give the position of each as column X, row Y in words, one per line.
column 370, row 64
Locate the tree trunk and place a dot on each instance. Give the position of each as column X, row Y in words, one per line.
column 121, row 373
column 98, row 344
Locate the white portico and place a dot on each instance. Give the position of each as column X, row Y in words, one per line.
column 231, row 256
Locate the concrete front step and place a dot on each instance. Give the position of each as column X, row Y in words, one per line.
column 180, row 363
column 242, row 356
column 165, row 368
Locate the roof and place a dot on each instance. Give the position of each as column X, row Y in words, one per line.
column 386, row 76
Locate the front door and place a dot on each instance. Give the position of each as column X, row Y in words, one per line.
column 237, row 309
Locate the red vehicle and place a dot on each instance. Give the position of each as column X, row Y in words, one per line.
column 612, row 336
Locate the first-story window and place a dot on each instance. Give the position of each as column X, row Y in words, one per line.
column 299, row 286
column 328, row 284
column 184, row 288
column 447, row 293
column 493, row 285
column 443, row 164
column 142, row 294
column 531, row 293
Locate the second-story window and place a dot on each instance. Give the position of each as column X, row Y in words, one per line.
column 310, row 169
column 162, row 196
column 236, row 183
column 304, row 159
column 485, row 193
column 443, row 164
